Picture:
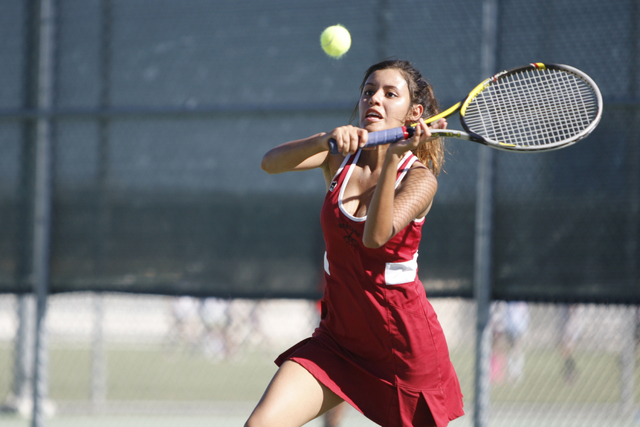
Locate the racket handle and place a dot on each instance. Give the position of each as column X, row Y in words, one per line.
column 386, row 136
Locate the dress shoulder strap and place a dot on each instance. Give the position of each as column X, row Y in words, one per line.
column 403, row 167
column 341, row 173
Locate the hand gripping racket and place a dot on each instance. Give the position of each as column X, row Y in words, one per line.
column 536, row 107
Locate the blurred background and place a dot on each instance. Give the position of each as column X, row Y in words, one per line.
column 150, row 272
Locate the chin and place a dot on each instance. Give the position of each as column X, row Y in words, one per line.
column 373, row 127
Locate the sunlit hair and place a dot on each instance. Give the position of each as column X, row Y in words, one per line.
column 431, row 153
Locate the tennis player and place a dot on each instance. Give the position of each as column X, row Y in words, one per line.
column 379, row 345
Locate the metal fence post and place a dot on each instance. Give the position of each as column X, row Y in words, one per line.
column 483, row 232
column 43, row 201
column 102, row 213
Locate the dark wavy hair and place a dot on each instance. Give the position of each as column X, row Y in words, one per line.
column 431, row 153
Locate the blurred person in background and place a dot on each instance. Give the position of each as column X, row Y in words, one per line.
column 184, row 332
column 516, row 324
column 509, row 322
column 572, row 328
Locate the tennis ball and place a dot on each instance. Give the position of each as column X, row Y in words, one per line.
column 335, row 41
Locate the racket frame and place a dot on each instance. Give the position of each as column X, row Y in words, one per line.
column 405, row 132
column 472, row 136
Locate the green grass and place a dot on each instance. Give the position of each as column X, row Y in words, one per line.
column 152, row 374
column 598, row 379
column 6, row 369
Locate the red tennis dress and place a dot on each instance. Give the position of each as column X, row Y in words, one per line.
column 379, row 345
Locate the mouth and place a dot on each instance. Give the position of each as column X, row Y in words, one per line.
column 372, row 116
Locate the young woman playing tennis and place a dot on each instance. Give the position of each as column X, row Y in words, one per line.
column 379, row 345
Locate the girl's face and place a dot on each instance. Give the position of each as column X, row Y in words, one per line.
column 385, row 101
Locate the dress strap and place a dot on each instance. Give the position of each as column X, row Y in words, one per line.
column 340, row 175
column 403, row 167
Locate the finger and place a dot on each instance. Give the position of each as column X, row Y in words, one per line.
column 348, row 140
column 419, row 130
column 441, row 124
column 345, row 142
column 364, row 137
column 341, row 143
column 354, row 141
column 425, row 131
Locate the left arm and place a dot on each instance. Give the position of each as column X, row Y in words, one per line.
column 393, row 209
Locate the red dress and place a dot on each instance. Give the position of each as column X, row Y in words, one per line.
column 379, row 345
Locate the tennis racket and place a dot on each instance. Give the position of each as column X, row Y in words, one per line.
column 536, row 107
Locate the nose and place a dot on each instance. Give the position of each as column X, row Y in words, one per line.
column 375, row 98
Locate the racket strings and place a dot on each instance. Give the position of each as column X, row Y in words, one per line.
column 533, row 108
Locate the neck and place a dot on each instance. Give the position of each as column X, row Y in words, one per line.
column 373, row 158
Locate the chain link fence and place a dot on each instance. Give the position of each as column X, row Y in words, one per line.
column 186, row 358
column 179, row 271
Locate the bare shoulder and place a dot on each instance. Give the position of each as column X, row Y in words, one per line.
column 419, row 174
column 419, row 188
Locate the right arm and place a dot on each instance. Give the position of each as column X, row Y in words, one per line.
column 312, row 152
column 303, row 154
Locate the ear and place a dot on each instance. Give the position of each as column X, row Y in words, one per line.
column 415, row 112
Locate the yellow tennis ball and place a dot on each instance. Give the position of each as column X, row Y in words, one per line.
column 335, row 40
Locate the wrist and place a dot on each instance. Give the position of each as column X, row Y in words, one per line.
column 320, row 140
column 393, row 157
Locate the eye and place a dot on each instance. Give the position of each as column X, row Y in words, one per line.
column 368, row 92
column 391, row 95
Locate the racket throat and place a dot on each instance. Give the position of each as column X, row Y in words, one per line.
column 409, row 131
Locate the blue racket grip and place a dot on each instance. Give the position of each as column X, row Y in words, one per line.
column 380, row 137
